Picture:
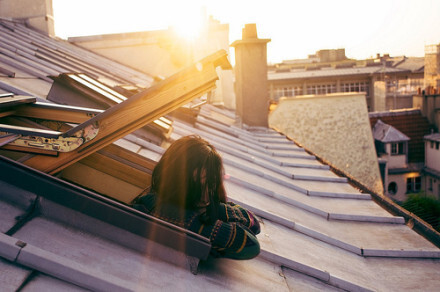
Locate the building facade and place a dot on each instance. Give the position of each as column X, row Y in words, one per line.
column 398, row 175
column 399, row 140
column 388, row 82
column 431, row 170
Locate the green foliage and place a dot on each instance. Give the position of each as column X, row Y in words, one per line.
column 425, row 207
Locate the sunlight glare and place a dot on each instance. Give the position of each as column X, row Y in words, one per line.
column 189, row 23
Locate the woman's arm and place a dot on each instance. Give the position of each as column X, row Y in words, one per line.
column 231, row 212
column 230, row 240
column 233, row 235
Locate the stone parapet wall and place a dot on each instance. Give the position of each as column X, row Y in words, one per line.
column 335, row 128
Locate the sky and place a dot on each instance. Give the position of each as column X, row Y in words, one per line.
column 296, row 28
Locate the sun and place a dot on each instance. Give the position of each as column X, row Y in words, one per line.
column 189, row 29
column 189, row 25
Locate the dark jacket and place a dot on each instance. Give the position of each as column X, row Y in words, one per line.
column 232, row 235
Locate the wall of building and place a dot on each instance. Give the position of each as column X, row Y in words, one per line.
column 38, row 14
column 331, row 55
column 432, row 186
column 217, row 38
column 398, row 102
column 432, row 155
column 335, row 128
column 401, row 181
column 295, row 87
column 432, row 66
column 429, row 104
column 397, row 161
column 154, row 52
column 379, row 96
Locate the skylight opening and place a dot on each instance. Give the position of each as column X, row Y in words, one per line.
column 102, row 86
column 96, row 87
column 162, row 124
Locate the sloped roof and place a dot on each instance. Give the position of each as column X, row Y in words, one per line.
column 333, row 72
column 415, row 64
column 433, row 137
column 32, row 57
column 318, row 231
column 411, row 123
column 387, row 134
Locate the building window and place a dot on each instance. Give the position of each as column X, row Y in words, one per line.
column 430, row 184
column 413, row 184
column 437, row 145
column 432, row 144
column 287, row 91
column 361, row 86
column 398, row 148
column 297, row 90
column 404, row 86
column 321, row 88
column 392, row 188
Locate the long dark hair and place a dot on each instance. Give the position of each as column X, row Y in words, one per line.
column 189, row 176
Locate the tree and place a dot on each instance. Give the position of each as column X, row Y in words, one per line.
column 425, row 207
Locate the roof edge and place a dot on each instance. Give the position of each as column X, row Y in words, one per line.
column 411, row 220
column 392, row 113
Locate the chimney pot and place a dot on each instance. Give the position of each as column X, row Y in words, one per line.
column 249, row 31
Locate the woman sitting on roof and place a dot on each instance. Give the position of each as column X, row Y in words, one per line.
column 187, row 190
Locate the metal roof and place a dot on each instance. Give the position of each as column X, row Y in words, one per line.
column 432, row 137
column 318, row 231
column 387, row 134
column 333, row 72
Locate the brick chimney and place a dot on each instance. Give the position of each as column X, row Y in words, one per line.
column 37, row 14
column 252, row 100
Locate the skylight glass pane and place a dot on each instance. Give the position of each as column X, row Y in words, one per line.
column 95, row 88
column 162, row 124
column 102, row 86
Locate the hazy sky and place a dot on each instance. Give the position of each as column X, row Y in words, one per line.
column 297, row 28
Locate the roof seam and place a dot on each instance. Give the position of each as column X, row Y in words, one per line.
column 32, row 211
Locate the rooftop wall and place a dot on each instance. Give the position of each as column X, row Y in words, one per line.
column 335, row 128
column 37, row 14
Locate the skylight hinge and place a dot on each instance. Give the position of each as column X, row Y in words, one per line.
column 49, row 140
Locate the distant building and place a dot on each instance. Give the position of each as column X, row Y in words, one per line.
column 388, row 82
column 392, row 150
column 432, row 66
column 399, row 140
column 431, row 170
column 406, row 144
column 428, row 100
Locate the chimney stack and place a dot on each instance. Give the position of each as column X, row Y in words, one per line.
column 37, row 14
column 252, row 101
column 432, row 66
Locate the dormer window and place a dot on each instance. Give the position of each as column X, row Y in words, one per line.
column 398, row 148
column 385, row 134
